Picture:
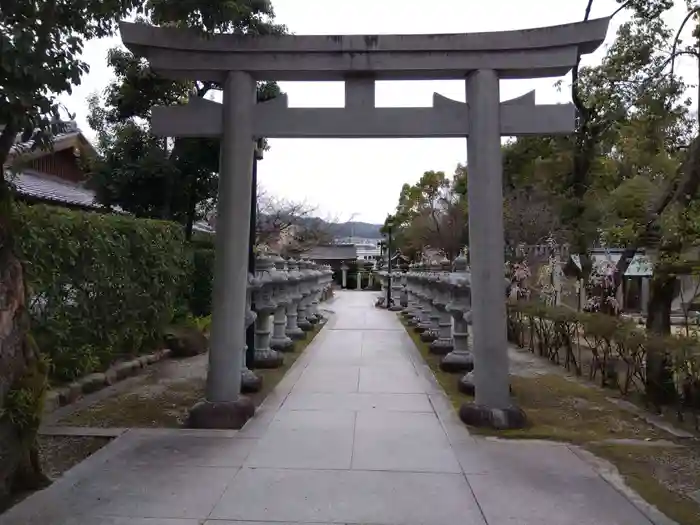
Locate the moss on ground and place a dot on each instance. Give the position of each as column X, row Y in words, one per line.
column 562, row 408
column 158, row 402
column 663, row 476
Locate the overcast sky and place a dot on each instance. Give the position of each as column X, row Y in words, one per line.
column 342, row 178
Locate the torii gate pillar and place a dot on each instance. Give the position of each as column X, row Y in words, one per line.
column 224, row 407
column 485, row 193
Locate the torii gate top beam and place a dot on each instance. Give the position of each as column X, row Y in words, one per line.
column 530, row 53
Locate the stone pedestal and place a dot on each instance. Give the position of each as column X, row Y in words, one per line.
column 213, row 415
column 403, row 296
column 280, row 341
column 423, row 317
column 431, row 333
column 305, row 289
column 460, row 359
column 302, row 322
column 293, row 331
column 396, row 289
column 358, row 281
column 249, row 381
column 443, row 344
column 265, row 357
column 344, row 276
column 265, row 306
column 312, row 311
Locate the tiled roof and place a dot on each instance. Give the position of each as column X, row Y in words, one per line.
column 53, row 189
column 70, row 129
column 338, row 252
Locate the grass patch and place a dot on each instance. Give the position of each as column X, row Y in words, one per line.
column 561, row 408
column 164, row 402
column 662, row 476
column 558, row 408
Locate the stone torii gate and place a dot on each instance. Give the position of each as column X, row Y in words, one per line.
column 236, row 62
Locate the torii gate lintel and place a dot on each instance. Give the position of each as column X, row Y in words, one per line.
column 359, row 118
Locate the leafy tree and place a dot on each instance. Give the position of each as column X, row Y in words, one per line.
column 40, row 47
column 531, row 205
column 147, row 175
column 432, row 214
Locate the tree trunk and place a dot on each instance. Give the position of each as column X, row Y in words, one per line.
column 660, row 388
column 20, row 369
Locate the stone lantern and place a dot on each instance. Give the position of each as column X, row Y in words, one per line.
column 461, row 358
column 403, row 295
column 305, row 292
column 430, row 332
column 315, row 288
column 422, row 319
column 265, row 306
column 280, row 341
column 294, row 278
column 441, row 297
column 249, row 381
column 410, row 312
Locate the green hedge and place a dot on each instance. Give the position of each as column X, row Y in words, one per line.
column 621, row 353
column 100, row 286
column 200, row 286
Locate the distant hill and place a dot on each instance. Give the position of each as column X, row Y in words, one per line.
column 331, row 229
column 357, row 229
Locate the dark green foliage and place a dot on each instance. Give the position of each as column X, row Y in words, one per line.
column 99, row 286
column 200, row 285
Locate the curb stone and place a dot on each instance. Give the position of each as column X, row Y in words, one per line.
column 91, row 383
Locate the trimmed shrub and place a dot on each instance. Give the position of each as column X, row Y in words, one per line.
column 616, row 350
column 100, row 286
column 200, row 285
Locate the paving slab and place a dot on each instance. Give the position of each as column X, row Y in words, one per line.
column 358, row 432
column 306, row 439
column 342, row 496
column 398, row 441
column 357, row 402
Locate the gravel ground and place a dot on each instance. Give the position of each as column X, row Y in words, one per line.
column 60, row 453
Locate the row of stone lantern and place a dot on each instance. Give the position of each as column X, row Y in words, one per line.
column 282, row 300
column 439, row 308
column 435, row 299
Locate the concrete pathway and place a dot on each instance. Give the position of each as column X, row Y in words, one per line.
column 358, row 432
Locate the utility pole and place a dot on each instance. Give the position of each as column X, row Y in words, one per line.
column 388, row 251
